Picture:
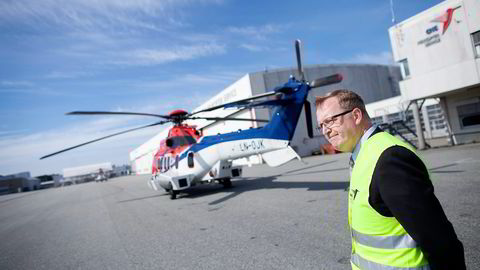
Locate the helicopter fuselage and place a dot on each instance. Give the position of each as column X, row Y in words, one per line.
column 209, row 158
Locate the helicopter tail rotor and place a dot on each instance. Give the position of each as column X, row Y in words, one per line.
column 336, row 78
column 308, row 118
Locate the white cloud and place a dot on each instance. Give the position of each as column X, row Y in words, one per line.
column 60, row 74
column 42, row 91
column 93, row 14
column 6, row 133
column 15, row 84
column 27, row 88
column 258, row 32
column 208, row 82
column 254, row 48
column 179, row 53
column 22, row 152
column 98, row 35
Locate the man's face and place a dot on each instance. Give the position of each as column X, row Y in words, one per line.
column 341, row 131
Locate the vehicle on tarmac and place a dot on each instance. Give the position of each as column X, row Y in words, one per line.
column 101, row 176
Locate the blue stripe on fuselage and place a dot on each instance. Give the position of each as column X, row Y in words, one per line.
column 228, row 137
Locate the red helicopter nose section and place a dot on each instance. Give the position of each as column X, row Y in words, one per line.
column 178, row 113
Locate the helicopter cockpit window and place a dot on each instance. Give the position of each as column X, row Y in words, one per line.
column 178, row 141
column 159, row 164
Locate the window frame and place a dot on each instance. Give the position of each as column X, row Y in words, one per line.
column 405, row 68
column 461, row 116
column 476, row 44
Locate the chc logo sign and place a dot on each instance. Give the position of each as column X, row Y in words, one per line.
column 445, row 19
column 434, row 37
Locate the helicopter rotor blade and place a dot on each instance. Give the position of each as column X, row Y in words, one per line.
column 118, row 113
column 335, row 78
column 102, row 138
column 228, row 119
column 271, row 93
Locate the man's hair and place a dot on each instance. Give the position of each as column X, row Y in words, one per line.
column 348, row 100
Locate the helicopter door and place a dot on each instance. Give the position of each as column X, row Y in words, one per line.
column 159, row 164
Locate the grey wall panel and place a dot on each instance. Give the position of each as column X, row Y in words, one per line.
column 372, row 82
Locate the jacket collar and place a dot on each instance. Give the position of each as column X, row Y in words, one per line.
column 374, row 129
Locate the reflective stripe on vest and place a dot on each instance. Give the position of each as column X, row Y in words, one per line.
column 362, row 263
column 386, row 242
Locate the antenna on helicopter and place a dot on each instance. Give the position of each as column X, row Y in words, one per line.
column 298, row 47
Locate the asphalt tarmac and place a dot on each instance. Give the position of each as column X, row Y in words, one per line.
column 290, row 217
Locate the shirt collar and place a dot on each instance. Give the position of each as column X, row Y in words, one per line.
column 364, row 137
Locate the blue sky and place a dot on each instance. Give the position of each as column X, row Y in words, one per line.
column 155, row 56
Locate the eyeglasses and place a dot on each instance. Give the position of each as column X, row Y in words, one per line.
column 328, row 123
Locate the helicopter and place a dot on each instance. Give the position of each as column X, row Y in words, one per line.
column 187, row 157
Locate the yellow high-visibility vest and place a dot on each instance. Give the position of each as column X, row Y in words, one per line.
column 378, row 242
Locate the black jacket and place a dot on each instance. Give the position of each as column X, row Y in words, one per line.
column 401, row 187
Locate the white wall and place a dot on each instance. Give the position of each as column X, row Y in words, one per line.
column 230, row 126
column 238, row 90
column 452, row 102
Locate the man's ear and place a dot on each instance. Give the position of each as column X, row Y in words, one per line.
column 357, row 116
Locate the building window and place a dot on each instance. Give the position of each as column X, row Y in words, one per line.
column 411, row 122
column 394, row 117
column 404, row 68
column 469, row 114
column 476, row 43
column 377, row 120
column 436, row 117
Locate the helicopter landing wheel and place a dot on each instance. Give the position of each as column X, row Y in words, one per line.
column 173, row 194
column 226, row 182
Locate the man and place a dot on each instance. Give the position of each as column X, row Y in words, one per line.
column 395, row 219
